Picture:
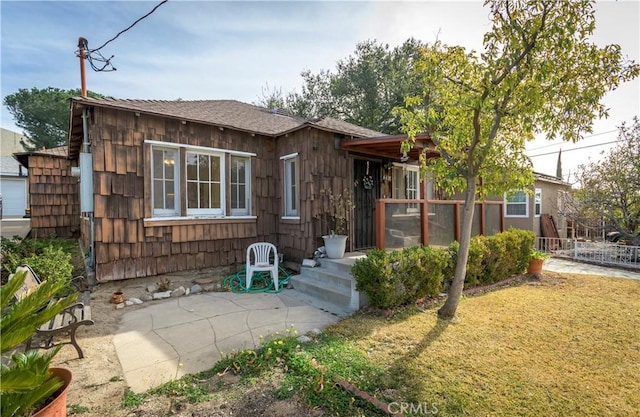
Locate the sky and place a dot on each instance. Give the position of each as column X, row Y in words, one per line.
column 236, row 50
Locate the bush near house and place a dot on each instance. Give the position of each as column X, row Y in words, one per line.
column 402, row 277
column 49, row 259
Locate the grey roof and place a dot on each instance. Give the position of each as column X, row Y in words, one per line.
column 10, row 167
column 229, row 113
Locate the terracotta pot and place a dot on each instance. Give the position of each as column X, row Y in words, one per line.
column 335, row 246
column 57, row 407
column 117, row 297
column 535, row 266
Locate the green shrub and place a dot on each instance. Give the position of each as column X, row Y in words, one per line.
column 478, row 250
column 374, row 276
column 50, row 259
column 400, row 277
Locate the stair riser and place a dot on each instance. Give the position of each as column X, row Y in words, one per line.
column 339, row 299
column 323, row 276
column 336, row 265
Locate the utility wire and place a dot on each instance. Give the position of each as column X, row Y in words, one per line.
column 574, row 149
column 98, row 61
column 564, row 142
column 132, row 25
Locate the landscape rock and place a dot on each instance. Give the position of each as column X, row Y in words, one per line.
column 119, row 306
column 178, row 292
column 161, row 295
column 303, row 339
column 196, row 289
column 146, row 297
column 152, row 288
column 135, row 300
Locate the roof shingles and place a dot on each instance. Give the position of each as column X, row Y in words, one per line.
column 229, row 113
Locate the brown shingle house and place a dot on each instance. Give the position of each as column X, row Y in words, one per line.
column 177, row 185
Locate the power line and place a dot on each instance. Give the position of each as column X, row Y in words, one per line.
column 103, row 63
column 574, row 149
column 132, row 25
column 563, row 142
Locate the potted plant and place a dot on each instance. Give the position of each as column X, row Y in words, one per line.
column 28, row 385
column 339, row 207
column 536, row 260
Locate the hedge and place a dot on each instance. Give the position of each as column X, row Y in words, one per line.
column 403, row 276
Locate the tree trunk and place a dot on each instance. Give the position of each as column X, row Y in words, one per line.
column 448, row 310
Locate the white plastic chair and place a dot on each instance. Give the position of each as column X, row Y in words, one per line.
column 259, row 259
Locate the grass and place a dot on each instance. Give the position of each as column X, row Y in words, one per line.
column 564, row 345
column 561, row 346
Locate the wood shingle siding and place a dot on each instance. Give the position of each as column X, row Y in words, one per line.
column 126, row 245
column 53, row 197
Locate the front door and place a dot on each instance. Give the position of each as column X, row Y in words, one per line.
column 366, row 189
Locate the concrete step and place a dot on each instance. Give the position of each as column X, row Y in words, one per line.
column 343, row 264
column 325, row 291
column 329, row 276
column 334, row 309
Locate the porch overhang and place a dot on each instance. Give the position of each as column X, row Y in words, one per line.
column 389, row 147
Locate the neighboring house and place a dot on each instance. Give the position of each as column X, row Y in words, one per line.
column 13, row 176
column 545, row 201
column 53, row 193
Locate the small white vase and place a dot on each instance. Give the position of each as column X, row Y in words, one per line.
column 335, row 245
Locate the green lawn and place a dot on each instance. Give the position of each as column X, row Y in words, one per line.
column 565, row 345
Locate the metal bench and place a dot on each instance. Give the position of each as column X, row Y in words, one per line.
column 65, row 323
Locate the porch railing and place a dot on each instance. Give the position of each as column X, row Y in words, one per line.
column 402, row 223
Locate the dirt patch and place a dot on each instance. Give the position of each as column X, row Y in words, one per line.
column 98, row 385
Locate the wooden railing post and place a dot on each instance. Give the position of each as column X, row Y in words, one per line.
column 380, row 215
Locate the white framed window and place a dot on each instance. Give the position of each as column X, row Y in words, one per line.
column 240, row 182
column 200, row 185
column 165, row 181
column 406, row 184
column 290, row 185
column 205, row 177
column 516, row 204
column 537, row 202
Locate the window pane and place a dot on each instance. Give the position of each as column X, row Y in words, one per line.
column 517, row 197
column 192, row 166
column 215, row 195
column 158, row 194
column 169, row 164
column 192, row 195
column 241, row 197
column 158, row 156
column 170, row 195
column 516, row 209
column 203, row 168
column 215, row 168
column 204, row 195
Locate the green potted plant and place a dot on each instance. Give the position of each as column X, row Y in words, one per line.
column 339, row 207
column 28, row 385
column 536, row 261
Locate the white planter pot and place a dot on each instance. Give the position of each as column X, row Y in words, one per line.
column 335, row 245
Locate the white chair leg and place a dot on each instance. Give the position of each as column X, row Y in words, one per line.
column 274, row 275
column 249, row 276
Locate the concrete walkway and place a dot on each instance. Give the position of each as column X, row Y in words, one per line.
column 572, row 267
column 12, row 226
column 186, row 335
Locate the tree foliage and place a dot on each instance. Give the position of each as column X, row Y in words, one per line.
column 538, row 73
column 364, row 88
column 43, row 114
column 611, row 188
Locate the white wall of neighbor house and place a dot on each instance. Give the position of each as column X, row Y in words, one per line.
column 14, row 196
